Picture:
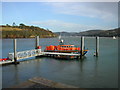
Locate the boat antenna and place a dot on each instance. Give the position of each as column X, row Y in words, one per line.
column 61, row 42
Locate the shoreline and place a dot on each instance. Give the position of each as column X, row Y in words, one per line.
column 62, row 36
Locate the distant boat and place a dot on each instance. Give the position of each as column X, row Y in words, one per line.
column 114, row 37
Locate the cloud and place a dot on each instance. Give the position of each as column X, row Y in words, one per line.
column 105, row 15
column 107, row 11
column 57, row 26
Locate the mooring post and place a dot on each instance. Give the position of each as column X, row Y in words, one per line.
column 97, row 46
column 36, row 42
column 82, row 47
column 15, row 51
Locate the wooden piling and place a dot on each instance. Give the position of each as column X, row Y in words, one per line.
column 82, row 47
column 15, row 51
column 36, row 42
column 97, row 46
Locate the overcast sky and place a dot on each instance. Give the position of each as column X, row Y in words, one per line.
column 62, row 16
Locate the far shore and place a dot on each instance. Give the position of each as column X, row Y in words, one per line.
column 62, row 36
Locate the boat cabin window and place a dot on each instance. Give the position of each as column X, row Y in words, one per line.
column 67, row 46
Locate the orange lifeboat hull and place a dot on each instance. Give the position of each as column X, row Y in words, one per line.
column 62, row 48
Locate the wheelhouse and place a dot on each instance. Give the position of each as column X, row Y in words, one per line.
column 67, row 46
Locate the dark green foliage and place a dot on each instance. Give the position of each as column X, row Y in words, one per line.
column 7, row 25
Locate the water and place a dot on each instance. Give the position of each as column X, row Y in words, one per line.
column 92, row 72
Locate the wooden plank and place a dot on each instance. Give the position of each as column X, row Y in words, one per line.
column 39, row 82
column 50, row 83
column 25, row 84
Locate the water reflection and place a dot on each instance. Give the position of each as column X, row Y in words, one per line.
column 16, row 75
column 96, row 64
column 81, row 64
column 37, row 64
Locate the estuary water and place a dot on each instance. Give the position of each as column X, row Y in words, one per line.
column 91, row 72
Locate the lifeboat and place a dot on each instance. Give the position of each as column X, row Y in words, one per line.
column 61, row 48
column 64, row 49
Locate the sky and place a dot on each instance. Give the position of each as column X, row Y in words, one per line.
column 62, row 16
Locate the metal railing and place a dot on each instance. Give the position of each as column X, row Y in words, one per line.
column 25, row 54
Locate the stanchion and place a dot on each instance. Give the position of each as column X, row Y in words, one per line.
column 82, row 47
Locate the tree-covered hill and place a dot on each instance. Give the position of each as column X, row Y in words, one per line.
column 101, row 33
column 24, row 31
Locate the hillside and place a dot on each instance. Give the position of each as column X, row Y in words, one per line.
column 101, row 33
column 23, row 31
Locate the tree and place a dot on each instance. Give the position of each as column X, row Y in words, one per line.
column 22, row 25
column 14, row 24
column 7, row 25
